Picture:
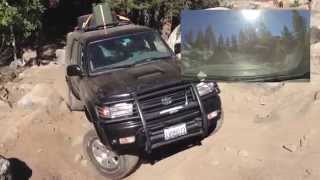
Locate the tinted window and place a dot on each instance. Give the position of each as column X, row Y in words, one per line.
column 126, row 49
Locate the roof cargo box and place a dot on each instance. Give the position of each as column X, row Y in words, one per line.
column 102, row 14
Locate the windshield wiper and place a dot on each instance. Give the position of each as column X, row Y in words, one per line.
column 131, row 64
column 127, row 65
column 273, row 78
column 152, row 59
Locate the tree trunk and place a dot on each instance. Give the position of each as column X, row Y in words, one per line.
column 13, row 44
column 38, row 48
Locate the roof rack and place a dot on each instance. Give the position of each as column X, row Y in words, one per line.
column 106, row 26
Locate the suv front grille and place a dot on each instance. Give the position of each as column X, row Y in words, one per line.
column 163, row 100
column 155, row 108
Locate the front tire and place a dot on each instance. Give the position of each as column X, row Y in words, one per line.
column 106, row 161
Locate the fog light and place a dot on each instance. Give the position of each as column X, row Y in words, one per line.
column 127, row 140
column 212, row 115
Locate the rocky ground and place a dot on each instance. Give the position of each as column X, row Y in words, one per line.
column 270, row 131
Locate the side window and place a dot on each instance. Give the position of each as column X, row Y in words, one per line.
column 74, row 52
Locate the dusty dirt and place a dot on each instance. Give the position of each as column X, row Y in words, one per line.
column 269, row 133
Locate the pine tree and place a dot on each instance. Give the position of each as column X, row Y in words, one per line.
column 210, row 38
column 286, row 34
column 227, row 42
column 199, row 42
column 234, row 43
column 299, row 25
column 19, row 20
column 221, row 42
column 242, row 38
column 189, row 38
column 264, row 34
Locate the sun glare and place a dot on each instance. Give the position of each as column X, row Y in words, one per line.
column 250, row 15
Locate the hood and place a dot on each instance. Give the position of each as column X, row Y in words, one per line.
column 135, row 78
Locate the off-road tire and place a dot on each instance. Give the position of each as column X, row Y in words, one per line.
column 127, row 163
column 74, row 104
column 6, row 177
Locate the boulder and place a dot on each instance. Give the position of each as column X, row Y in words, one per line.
column 315, row 35
column 39, row 95
column 48, row 51
column 60, row 54
column 315, row 5
column 315, row 58
column 4, row 93
column 29, row 55
column 315, row 19
column 17, row 63
column 4, row 106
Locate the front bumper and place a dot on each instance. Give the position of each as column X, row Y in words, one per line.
column 148, row 129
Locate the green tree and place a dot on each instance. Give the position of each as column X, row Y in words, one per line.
column 24, row 16
column 251, row 34
column 286, row 34
column 189, row 38
column 299, row 25
column 210, row 38
column 199, row 42
column 264, row 33
column 227, row 43
column 234, row 42
column 242, row 38
column 158, row 10
column 19, row 20
column 221, row 42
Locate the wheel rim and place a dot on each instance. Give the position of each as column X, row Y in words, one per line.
column 103, row 156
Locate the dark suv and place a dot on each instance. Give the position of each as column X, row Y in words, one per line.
column 128, row 82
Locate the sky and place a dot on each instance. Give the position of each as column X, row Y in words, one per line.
column 230, row 22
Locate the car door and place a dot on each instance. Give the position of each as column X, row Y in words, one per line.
column 75, row 56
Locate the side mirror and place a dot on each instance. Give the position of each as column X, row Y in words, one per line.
column 177, row 48
column 74, row 70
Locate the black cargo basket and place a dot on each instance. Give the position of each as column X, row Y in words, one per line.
column 101, row 17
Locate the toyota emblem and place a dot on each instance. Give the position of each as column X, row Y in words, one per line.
column 166, row 100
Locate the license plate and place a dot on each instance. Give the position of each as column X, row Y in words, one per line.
column 175, row 131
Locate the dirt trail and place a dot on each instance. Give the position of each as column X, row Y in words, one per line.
column 269, row 133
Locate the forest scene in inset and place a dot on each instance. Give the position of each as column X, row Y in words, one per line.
column 254, row 40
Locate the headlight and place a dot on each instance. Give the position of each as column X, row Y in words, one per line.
column 114, row 111
column 205, row 88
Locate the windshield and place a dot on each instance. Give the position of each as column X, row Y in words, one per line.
column 126, row 50
column 243, row 44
